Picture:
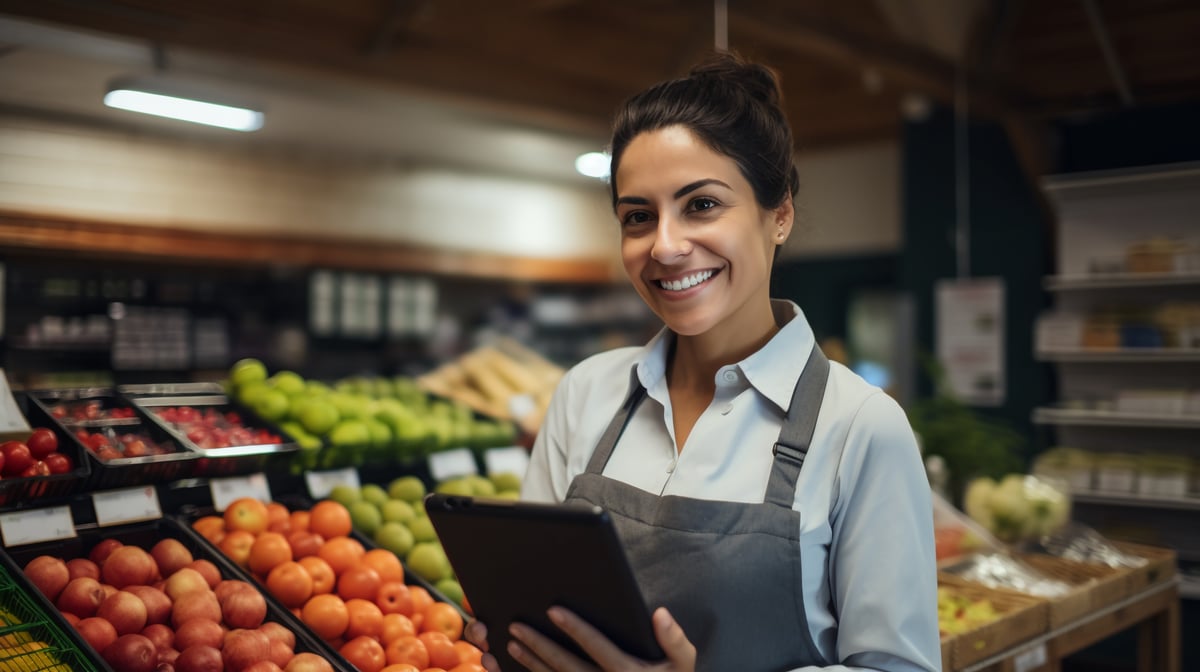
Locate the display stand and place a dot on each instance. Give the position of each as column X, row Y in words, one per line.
column 1154, row 612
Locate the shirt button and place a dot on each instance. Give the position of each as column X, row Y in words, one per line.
column 726, row 409
column 730, row 376
column 671, row 468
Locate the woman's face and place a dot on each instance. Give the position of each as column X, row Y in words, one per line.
column 695, row 243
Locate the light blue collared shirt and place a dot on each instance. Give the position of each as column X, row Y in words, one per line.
column 867, row 523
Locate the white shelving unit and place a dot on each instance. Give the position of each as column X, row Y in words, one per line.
column 1099, row 216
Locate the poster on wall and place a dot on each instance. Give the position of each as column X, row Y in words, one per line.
column 970, row 338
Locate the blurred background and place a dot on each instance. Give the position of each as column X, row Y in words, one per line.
column 996, row 215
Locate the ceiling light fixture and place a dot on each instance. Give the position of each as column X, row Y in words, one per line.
column 173, row 101
column 594, row 164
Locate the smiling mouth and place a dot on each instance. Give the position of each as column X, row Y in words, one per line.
column 686, row 282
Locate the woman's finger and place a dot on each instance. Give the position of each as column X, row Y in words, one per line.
column 489, row 663
column 673, row 640
column 476, row 633
column 601, row 649
column 542, row 654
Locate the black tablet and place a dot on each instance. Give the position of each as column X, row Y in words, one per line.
column 517, row 559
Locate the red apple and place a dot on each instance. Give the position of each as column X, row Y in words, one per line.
column 81, row 597
column 17, row 457
column 184, row 581
column 162, row 636
column 199, row 659
column 166, row 660
column 171, row 555
column 308, row 662
column 125, row 611
column 158, row 605
column 102, row 549
column 243, row 648
column 196, row 604
column 281, row 654
column 48, row 574
column 264, row 666
column 131, row 653
column 97, row 632
column 108, row 589
column 70, row 618
column 78, row 567
column 128, row 566
column 42, row 442
column 228, row 587
column 277, row 631
column 199, row 632
column 58, row 463
column 244, row 608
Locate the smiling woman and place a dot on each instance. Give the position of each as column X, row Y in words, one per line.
column 707, row 444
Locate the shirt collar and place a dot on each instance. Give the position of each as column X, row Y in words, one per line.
column 773, row 370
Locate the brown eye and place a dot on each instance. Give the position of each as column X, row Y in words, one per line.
column 700, row 204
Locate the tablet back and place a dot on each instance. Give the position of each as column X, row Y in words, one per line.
column 516, row 559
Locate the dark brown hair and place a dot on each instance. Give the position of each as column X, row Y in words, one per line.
column 731, row 105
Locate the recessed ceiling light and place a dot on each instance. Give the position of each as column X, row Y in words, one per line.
column 594, row 164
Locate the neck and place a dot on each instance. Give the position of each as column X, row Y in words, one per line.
column 694, row 360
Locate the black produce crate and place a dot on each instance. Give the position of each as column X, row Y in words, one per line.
column 146, row 535
column 123, row 471
column 17, row 492
column 26, row 620
column 223, row 461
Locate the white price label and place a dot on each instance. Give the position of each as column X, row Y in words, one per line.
column 226, row 490
column 1030, row 659
column 452, row 463
column 126, row 505
column 321, row 483
column 510, row 460
column 29, row 527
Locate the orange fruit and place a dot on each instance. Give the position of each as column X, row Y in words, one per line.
column 279, row 519
column 468, row 652
column 310, row 661
column 341, row 553
column 290, row 583
column 444, row 618
column 394, row 597
column 246, row 513
column 322, row 574
column 358, row 581
column 269, row 550
column 410, row 650
column 401, row 667
column 236, row 544
column 365, row 619
column 326, row 615
column 211, row 528
column 386, row 563
column 441, row 650
column 395, row 626
column 364, row 653
column 299, row 521
column 468, row 667
column 329, row 519
column 421, row 599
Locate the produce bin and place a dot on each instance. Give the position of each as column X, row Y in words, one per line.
column 1021, row 618
column 146, row 535
column 1093, row 586
column 33, row 634
column 20, row 491
column 83, row 412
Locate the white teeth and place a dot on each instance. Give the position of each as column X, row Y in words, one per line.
column 685, row 283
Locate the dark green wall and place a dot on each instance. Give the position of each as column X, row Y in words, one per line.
column 824, row 286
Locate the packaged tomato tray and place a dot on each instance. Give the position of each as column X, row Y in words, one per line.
column 48, row 463
column 148, row 618
column 123, row 446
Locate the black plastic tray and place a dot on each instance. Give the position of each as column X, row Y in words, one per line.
column 124, row 471
column 146, row 535
column 16, row 492
column 31, row 619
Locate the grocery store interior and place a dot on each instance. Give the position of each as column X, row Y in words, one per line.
column 386, row 270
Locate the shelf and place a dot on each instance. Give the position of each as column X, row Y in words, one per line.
column 1189, row 504
column 1120, row 356
column 1066, row 283
column 1062, row 416
column 1189, row 589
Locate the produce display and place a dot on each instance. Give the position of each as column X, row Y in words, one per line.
column 355, row 599
column 109, row 443
column 88, row 410
column 37, row 455
column 1019, row 507
column 210, row 427
column 958, row 613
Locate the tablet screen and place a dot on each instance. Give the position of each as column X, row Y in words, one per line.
column 517, row 559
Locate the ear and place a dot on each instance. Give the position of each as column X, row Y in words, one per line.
column 782, row 217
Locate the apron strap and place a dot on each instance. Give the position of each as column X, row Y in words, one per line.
column 608, row 440
column 797, row 432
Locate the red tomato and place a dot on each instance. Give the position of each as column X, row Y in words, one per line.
column 42, row 442
column 17, row 457
column 57, row 463
column 38, row 468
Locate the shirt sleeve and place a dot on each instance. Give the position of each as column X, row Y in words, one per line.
column 883, row 571
column 546, row 479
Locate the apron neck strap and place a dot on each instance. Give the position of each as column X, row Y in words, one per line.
column 616, row 427
column 797, row 431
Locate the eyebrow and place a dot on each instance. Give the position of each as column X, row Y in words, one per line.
column 683, row 191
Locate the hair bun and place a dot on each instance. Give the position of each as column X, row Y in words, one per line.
column 731, row 69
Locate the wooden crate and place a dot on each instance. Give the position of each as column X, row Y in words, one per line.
column 1022, row 617
column 1093, row 586
column 1161, row 566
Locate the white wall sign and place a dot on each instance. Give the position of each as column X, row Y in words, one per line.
column 970, row 338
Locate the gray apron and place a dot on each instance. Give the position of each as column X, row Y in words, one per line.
column 729, row 572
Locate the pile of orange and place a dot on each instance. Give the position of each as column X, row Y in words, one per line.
column 353, row 598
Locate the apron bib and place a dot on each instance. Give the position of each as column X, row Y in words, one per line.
column 729, row 572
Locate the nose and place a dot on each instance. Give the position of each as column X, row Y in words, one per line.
column 670, row 240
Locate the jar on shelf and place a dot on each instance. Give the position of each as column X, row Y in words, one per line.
column 1116, row 473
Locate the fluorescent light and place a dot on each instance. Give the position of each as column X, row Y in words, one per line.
column 185, row 109
column 594, row 164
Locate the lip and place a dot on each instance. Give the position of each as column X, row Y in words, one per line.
column 683, row 293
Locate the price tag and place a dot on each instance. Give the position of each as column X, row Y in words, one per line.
column 321, row 483
column 510, row 460
column 451, row 463
column 29, row 527
column 1030, row 659
column 225, row 490
column 126, row 505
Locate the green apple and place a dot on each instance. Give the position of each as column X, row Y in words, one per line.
column 317, row 415
column 249, row 393
column 398, row 511
column 428, row 561
column 451, row 589
column 345, row 494
column 272, row 405
column 381, row 434
column 246, row 371
column 480, row 486
column 422, row 529
column 508, row 494
column 365, row 517
column 407, row 488
column 288, row 382
column 455, row 486
column 374, row 494
column 350, row 433
column 506, row 481
column 395, row 537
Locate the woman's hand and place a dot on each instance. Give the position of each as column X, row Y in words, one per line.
column 541, row 654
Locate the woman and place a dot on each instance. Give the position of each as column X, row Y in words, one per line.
column 773, row 506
